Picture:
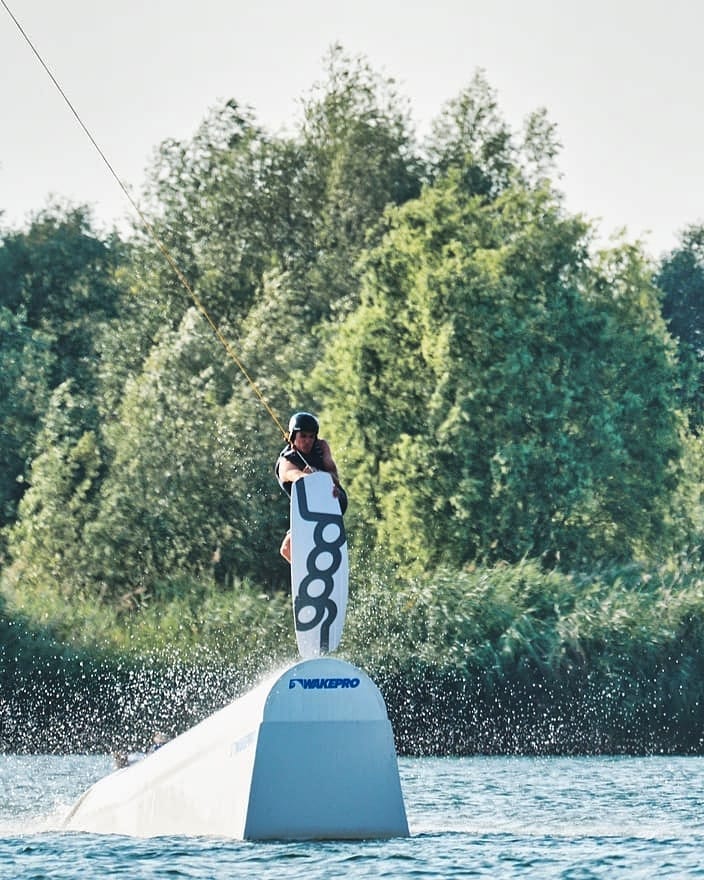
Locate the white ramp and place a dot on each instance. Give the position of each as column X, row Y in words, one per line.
column 308, row 754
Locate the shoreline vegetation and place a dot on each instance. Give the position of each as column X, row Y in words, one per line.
column 516, row 414
column 492, row 661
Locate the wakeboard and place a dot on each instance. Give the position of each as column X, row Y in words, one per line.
column 319, row 565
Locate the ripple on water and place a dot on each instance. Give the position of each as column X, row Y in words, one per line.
column 628, row 819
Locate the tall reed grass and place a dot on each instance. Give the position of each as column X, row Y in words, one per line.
column 507, row 659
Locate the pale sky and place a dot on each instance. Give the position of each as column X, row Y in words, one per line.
column 623, row 80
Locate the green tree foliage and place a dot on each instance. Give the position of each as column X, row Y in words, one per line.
column 60, row 275
column 358, row 150
column 176, row 499
column 189, row 449
column 164, row 502
column 493, row 390
column 25, row 367
column 236, row 206
column 127, row 341
column 59, row 294
column 48, row 542
column 681, row 279
column 510, row 396
column 471, row 136
column 210, row 201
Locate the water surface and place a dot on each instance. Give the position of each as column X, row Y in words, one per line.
column 574, row 818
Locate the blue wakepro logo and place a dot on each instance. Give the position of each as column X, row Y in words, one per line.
column 319, row 684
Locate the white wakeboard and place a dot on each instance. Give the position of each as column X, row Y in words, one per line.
column 319, row 565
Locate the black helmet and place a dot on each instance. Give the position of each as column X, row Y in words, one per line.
column 302, row 421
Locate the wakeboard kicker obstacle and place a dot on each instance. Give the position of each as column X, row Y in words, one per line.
column 308, row 754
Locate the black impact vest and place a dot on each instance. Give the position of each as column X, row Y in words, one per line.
column 291, row 454
column 314, row 459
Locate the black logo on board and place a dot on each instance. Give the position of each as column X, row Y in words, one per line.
column 329, row 538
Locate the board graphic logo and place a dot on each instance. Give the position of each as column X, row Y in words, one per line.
column 318, row 609
column 319, row 684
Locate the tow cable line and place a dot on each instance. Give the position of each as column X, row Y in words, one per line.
column 150, row 229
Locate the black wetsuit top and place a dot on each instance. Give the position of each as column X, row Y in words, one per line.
column 314, row 459
column 291, row 454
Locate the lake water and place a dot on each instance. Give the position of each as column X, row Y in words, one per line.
column 574, row 818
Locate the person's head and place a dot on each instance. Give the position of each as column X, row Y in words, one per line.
column 302, row 430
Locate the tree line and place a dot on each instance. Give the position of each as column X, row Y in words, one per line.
column 494, row 386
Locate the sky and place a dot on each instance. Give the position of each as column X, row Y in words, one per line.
column 623, row 81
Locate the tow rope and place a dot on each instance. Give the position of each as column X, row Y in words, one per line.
column 150, row 230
